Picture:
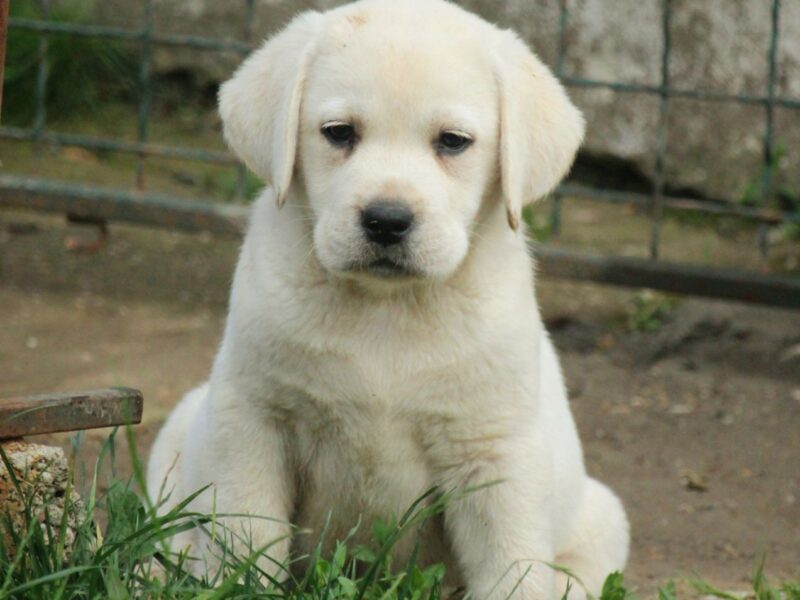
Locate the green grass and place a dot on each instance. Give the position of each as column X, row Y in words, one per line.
column 128, row 558
column 649, row 310
column 119, row 552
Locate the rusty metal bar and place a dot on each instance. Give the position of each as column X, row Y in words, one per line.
column 769, row 129
column 84, row 201
column 40, row 97
column 772, row 77
column 51, row 413
column 145, row 91
column 3, row 31
column 662, row 133
column 563, row 20
column 678, row 278
column 241, row 170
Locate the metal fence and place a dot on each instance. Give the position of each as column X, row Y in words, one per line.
column 97, row 204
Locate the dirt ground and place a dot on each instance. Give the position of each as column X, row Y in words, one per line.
column 695, row 424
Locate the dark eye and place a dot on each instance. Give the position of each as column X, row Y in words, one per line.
column 453, row 142
column 340, row 135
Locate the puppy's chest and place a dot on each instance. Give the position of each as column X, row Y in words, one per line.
column 351, row 467
column 375, row 411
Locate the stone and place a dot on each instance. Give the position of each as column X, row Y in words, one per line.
column 43, row 475
column 713, row 149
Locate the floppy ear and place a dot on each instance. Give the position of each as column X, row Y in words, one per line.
column 260, row 105
column 540, row 129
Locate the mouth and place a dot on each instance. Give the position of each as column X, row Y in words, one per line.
column 385, row 268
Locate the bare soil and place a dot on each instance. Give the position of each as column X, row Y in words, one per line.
column 695, row 424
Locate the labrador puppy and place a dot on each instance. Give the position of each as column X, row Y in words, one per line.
column 383, row 335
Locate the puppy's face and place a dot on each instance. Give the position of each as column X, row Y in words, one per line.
column 398, row 147
column 403, row 120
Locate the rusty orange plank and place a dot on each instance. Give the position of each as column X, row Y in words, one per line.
column 51, row 413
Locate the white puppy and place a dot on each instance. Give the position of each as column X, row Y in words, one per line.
column 383, row 335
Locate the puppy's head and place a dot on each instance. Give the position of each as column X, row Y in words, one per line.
column 403, row 121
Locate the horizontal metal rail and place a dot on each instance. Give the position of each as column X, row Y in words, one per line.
column 51, row 413
column 678, row 203
column 116, row 145
column 674, row 92
column 678, row 278
column 134, row 35
column 96, row 203
column 165, row 211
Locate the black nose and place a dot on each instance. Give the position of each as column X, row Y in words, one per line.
column 387, row 222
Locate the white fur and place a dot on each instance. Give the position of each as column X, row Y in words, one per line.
column 341, row 391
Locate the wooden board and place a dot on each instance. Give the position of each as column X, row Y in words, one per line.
column 69, row 411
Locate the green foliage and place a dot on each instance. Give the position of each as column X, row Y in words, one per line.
column 762, row 588
column 649, row 311
column 225, row 184
column 539, row 226
column 754, row 192
column 82, row 71
column 667, row 592
column 127, row 557
column 613, row 588
column 791, row 231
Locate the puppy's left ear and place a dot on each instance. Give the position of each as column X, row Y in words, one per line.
column 260, row 105
column 540, row 128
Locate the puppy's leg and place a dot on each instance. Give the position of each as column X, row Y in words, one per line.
column 242, row 455
column 163, row 468
column 598, row 542
column 502, row 534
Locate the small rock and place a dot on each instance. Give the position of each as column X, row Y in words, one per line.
column 681, row 409
column 791, row 353
column 79, row 155
column 44, row 472
column 725, row 417
column 638, row 402
column 694, row 481
column 731, row 550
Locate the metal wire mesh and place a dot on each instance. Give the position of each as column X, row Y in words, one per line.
column 153, row 209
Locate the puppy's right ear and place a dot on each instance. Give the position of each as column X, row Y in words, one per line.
column 540, row 128
column 260, row 104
